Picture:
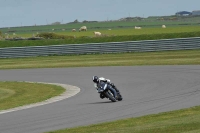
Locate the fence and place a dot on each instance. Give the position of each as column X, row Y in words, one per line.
column 113, row 47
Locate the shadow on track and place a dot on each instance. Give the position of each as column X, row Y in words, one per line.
column 100, row 102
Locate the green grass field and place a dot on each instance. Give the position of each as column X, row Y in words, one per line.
column 118, row 35
column 15, row 94
column 132, row 31
column 101, row 26
column 119, row 31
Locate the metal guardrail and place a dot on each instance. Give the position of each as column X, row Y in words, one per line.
column 113, row 47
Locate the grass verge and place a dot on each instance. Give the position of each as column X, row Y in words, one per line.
column 183, row 57
column 15, row 94
column 180, row 121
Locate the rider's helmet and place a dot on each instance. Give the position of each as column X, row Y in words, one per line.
column 95, row 79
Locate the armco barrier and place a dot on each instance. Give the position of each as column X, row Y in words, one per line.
column 113, row 47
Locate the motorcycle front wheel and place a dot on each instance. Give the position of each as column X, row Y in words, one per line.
column 110, row 96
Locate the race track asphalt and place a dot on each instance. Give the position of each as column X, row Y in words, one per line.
column 145, row 89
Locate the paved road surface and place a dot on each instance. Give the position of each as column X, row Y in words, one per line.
column 146, row 90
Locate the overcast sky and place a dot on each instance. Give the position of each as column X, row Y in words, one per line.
column 41, row 12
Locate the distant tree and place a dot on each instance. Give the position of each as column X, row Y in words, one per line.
column 85, row 21
column 0, row 33
column 76, row 21
column 56, row 23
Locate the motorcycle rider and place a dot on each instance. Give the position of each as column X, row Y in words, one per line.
column 97, row 80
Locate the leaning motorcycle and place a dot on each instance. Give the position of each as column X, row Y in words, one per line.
column 106, row 90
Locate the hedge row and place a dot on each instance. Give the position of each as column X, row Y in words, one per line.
column 54, row 36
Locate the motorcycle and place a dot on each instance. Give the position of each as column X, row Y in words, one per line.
column 107, row 91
